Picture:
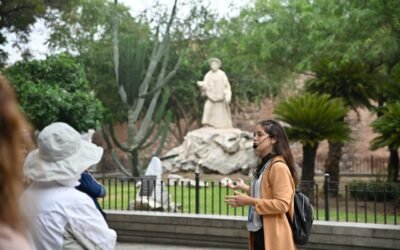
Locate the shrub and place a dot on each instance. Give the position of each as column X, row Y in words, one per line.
column 375, row 190
column 55, row 89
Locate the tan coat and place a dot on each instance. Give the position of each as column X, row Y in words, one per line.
column 277, row 198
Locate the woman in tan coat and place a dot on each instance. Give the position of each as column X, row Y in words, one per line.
column 270, row 196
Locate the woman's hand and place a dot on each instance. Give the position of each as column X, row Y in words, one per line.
column 239, row 184
column 240, row 200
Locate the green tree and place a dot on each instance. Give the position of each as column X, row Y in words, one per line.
column 17, row 17
column 376, row 35
column 274, row 40
column 350, row 81
column 312, row 118
column 55, row 89
column 365, row 32
column 389, row 90
column 388, row 128
column 85, row 29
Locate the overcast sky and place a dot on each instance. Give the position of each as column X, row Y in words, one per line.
column 40, row 33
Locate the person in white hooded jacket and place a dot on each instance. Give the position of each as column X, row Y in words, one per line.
column 59, row 216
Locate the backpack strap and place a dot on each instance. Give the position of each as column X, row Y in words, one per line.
column 274, row 163
column 278, row 161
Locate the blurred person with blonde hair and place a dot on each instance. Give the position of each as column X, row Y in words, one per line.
column 13, row 128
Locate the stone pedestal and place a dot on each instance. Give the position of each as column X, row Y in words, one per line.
column 223, row 151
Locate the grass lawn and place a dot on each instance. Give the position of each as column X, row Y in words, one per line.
column 212, row 202
column 211, row 198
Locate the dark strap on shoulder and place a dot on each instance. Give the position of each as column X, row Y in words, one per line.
column 277, row 162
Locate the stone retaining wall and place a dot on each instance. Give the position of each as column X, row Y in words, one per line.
column 230, row 231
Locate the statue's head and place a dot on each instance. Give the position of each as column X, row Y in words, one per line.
column 214, row 63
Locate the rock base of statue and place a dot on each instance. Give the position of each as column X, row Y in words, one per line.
column 223, row 151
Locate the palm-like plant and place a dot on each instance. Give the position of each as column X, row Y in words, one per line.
column 388, row 128
column 311, row 119
column 388, row 94
column 349, row 81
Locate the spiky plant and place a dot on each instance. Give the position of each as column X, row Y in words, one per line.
column 141, row 79
column 312, row 118
column 388, row 128
column 350, row 81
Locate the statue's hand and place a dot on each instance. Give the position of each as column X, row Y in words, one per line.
column 200, row 83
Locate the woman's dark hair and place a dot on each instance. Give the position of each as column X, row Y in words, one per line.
column 281, row 146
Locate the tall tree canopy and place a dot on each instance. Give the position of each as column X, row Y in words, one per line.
column 55, row 89
column 18, row 16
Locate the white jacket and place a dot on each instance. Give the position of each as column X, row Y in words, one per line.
column 61, row 217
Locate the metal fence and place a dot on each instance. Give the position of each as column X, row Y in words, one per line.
column 355, row 202
column 351, row 166
column 355, row 166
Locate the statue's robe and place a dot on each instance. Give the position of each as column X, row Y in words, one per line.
column 216, row 87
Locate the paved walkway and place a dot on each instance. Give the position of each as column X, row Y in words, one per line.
column 139, row 246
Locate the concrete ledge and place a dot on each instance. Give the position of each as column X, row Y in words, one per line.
column 230, row 231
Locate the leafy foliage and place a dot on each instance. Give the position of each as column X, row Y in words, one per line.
column 374, row 190
column 17, row 16
column 61, row 71
column 313, row 118
column 388, row 88
column 349, row 81
column 86, row 29
column 388, row 127
column 53, row 90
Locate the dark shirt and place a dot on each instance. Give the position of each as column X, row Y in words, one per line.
column 91, row 187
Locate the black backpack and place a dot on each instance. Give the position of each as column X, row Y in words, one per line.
column 302, row 217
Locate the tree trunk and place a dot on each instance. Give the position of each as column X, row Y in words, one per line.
column 133, row 155
column 332, row 166
column 308, row 172
column 393, row 167
column 131, row 126
column 135, row 163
